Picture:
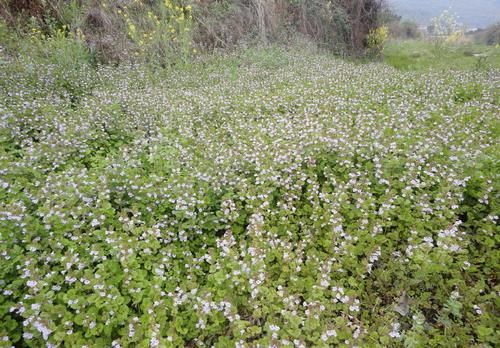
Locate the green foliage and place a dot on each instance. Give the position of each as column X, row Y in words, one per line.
column 61, row 47
column 163, row 35
column 265, row 197
column 376, row 40
column 7, row 37
column 469, row 92
column 329, row 25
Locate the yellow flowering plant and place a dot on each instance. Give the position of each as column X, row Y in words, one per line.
column 163, row 36
column 64, row 45
column 376, row 40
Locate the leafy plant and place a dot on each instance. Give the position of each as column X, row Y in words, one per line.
column 260, row 198
column 376, row 40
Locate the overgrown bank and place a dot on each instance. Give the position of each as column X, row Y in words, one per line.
column 168, row 31
column 255, row 197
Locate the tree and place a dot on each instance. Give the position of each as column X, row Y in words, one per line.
column 445, row 25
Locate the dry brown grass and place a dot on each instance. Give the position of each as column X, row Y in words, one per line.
column 105, row 35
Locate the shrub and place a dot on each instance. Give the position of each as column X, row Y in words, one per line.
column 105, row 34
column 363, row 15
column 48, row 14
column 493, row 35
column 62, row 47
column 404, row 30
column 221, row 24
column 328, row 25
column 445, row 28
column 376, row 40
column 161, row 34
column 488, row 36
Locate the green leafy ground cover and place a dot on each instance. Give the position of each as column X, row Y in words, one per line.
column 269, row 199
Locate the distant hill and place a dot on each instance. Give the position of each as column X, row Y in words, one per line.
column 473, row 13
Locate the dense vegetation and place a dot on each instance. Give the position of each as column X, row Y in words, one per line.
column 166, row 30
column 263, row 198
column 272, row 197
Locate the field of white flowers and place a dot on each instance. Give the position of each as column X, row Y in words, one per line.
column 248, row 203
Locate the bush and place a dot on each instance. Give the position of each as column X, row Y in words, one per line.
column 493, row 35
column 62, row 47
column 404, row 30
column 165, row 31
column 330, row 27
column 47, row 14
column 376, row 40
column 105, row 34
column 445, row 28
column 488, row 36
column 161, row 34
column 221, row 24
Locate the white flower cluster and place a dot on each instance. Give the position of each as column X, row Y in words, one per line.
column 188, row 210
